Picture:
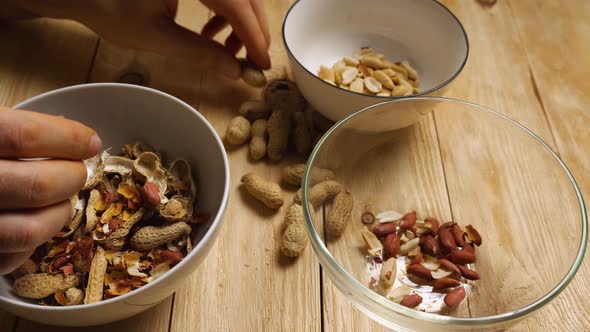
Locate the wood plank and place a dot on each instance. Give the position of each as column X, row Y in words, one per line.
column 7, row 320
column 559, row 64
column 151, row 320
column 499, row 76
column 245, row 284
column 496, row 74
column 39, row 56
column 42, row 55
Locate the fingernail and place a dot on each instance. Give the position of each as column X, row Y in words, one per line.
column 231, row 69
column 95, row 144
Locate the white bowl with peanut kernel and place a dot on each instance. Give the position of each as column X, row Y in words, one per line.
column 163, row 218
column 421, row 37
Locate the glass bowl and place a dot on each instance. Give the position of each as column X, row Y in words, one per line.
column 453, row 160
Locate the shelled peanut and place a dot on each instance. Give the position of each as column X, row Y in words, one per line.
column 435, row 255
column 370, row 73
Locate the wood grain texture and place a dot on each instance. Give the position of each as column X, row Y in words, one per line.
column 245, row 284
column 151, row 320
column 181, row 79
column 559, row 75
column 7, row 321
column 528, row 60
column 42, row 55
column 499, row 75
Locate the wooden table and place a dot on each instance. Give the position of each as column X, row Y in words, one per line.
column 528, row 59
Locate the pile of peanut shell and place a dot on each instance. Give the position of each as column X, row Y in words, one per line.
column 130, row 224
column 436, row 255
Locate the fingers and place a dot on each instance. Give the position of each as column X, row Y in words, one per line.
column 233, row 43
column 245, row 25
column 25, row 134
column 10, row 262
column 259, row 11
column 214, row 26
column 31, row 184
column 170, row 39
column 24, row 230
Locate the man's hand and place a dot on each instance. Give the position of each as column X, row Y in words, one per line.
column 34, row 195
column 149, row 25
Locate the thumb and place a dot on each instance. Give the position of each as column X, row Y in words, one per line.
column 173, row 40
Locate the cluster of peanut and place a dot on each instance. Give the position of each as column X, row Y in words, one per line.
column 435, row 255
column 324, row 188
column 283, row 117
column 282, row 122
column 130, row 224
column 370, row 73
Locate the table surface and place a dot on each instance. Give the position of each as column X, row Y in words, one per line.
column 525, row 57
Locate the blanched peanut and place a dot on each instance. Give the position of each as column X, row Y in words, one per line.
column 412, row 75
column 349, row 75
column 400, row 70
column 357, row 85
column 372, row 84
column 326, row 74
column 370, row 73
column 382, row 77
column 371, row 61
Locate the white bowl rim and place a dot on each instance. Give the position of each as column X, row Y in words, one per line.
column 206, row 237
column 382, row 98
column 360, row 290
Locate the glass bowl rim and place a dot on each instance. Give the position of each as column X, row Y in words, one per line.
column 357, row 289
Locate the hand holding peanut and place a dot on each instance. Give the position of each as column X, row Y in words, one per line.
column 151, row 26
column 34, row 195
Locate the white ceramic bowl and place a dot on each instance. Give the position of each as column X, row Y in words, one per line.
column 122, row 113
column 424, row 32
